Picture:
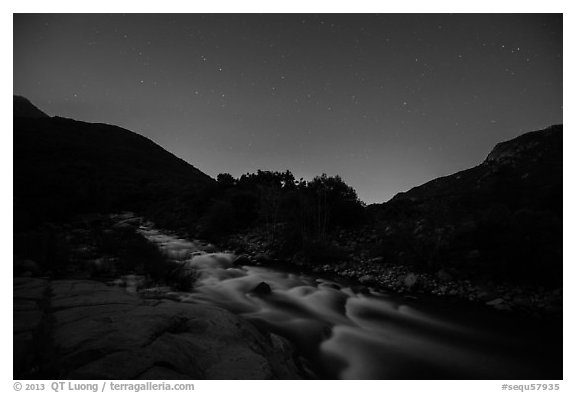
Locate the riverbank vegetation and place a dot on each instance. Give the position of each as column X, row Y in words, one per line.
column 97, row 247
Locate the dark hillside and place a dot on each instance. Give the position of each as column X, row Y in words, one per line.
column 63, row 167
column 24, row 108
column 502, row 217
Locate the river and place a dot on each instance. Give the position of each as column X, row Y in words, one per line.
column 347, row 332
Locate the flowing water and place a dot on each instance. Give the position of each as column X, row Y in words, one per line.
column 345, row 333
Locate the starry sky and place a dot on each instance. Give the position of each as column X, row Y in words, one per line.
column 387, row 101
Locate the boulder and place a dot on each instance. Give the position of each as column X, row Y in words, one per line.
column 495, row 302
column 410, row 280
column 367, row 279
column 262, row 258
column 262, row 289
column 241, row 260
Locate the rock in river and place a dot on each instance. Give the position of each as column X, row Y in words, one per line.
column 262, row 289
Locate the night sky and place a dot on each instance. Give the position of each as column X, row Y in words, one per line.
column 386, row 101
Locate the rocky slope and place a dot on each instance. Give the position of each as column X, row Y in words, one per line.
column 81, row 329
column 501, row 219
column 525, row 172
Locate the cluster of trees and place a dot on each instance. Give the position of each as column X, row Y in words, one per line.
column 289, row 209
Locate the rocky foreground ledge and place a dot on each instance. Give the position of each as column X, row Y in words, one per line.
column 81, row 329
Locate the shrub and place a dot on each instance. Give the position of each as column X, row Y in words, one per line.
column 218, row 221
